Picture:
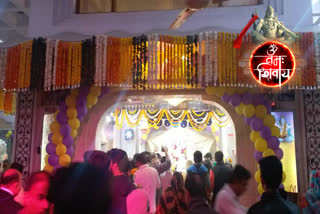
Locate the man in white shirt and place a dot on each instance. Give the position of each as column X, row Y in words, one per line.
column 227, row 199
column 147, row 178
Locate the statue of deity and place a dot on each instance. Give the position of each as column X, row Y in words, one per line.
column 269, row 28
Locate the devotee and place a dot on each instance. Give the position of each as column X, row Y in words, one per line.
column 5, row 165
column 97, row 158
column 165, row 177
column 138, row 202
column 311, row 199
column 17, row 166
column 175, row 198
column 80, row 188
column 19, row 197
column 9, row 188
column 227, row 199
column 122, row 184
column 35, row 194
column 147, row 178
column 271, row 201
column 222, row 173
column 161, row 167
column 208, row 157
column 208, row 165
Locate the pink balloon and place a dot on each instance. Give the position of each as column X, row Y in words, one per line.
column 256, row 124
column 265, row 132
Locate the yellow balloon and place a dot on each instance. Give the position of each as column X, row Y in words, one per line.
column 260, row 189
column 55, row 127
column 249, row 110
column 64, row 160
column 284, row 177
column 57, row 138
column 71, row 101
column 261, row 111
column 89, row 106
column 241, row 90
column 240, row 108
column 48, row 168
column 74, row 123
column 220, row 91
column 210, row 90
column 230, row 91
column 74, row 133
column 261, row 145
column 268, row 152
column 72, row 113
column 269, row 120
column 254, row 136
column 75, row 91
column 275, row 131
column 144, row 136
column 55, row 114
column 46, row 158
column 257, row 176
column 95, row 91
column 92, row 100
column 61, row 149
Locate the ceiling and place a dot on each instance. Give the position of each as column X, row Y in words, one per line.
column 14, row 20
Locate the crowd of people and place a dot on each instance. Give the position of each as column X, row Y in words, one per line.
column 112, row 183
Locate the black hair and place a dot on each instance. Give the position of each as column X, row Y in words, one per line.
column 177, row 181
column 271, row 171
column 218, row 156
column 196, row 185
column 208, row 156
column 10, row 179
column 17, row 166
column 144, row 157
column 197, row 157
column 34, row 178
column 208, row 165
column 239, row 174
column 158, row 156
column 163, row 159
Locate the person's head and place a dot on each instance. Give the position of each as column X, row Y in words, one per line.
column 138, row 202
column 120, row 162
column 271, row 172
column 197, row 157
column 163, row 159
column 218, row 156
column 35, row 193
column 154, row 159
column 196, row 185
column 97, row 158
column 80, row 188
column 239, row 179
column 207, row 164
column 177, row 181
column 17, row 166
column 143, row 158
column 5, row 164
column 208, row 156
column 12, row 180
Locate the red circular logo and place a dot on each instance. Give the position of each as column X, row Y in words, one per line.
column 272, row 64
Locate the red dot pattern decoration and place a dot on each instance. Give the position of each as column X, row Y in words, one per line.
column 272, row 64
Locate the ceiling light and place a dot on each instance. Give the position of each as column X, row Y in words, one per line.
column 1, row 41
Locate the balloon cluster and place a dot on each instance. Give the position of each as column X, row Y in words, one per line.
column 64, row 128
column 257, row 112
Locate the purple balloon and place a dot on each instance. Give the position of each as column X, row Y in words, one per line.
column 235, row 100
column 68, row 141
column 50, row 137
column 81, row 100
column 84, row 91
column 63, row 107
column 258, row 155
column 62, row 118
column 256, row 124
column 65, row 129
column 70, row 151
column 258, row 99
column 273, row 142
column 51, row 148
column 281, row 186
column 248, row 120
column 226, row 98
column 265, row 132
column 279, row 153
column 247, row 98
column 53, row 160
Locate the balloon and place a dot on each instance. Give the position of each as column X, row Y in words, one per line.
column 248, row 120
column 261, row 145
column 56, row 114
column 51, row 148
column 84, row 91
column 220, row 91
column 74, row 133
column 265, row 132
column 284, row 177
column 53, row 160
column 68, row 141
column 240, row 108
column 50, row 137
column 65, row 130
column 82, row 111
column 63, row 107
column 235, row 100
column 144, row 136
column 226, row 98
column 247, row 98
column 196, row 4
column 74, row 123
column 254, row 136
column 81, row 100
column 258, row 156
column 273, row 142
column 91, row 100
column 261, row 111
column 71, row 101
column 75, row 91
column 258, row 99
column 210, row 90
column 275, row 131
column 46, row 158
column 61, row 149
column 70, row 151
column 256, row 124
column 54, row 127
column 257, row 176
column 249, row 110
column 64, row 160
column 57, row 138
column 48, row 168
column 72, row 113
column 268, row 152
column 260, row 189
column 279, row 153
column 95, row 91
column 269, row 120
column 230, row 91
column 62, row 118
